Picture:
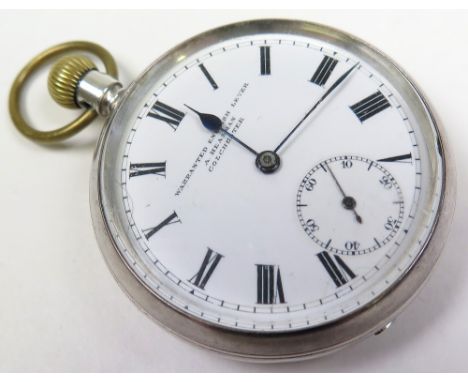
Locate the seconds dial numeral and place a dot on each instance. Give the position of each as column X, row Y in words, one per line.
column 265, row 65
column 336, row 268
column 209, row 264
column 269, row 285
column 155, row 168
column 166, row 113
column 324, row 71
column 171, row 219
column 370, row 106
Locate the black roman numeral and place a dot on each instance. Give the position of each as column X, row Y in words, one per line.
column 209, row 264
column 370, row 106
column 324, row 71
column 269, row 285
column 171, row 219
column 208, row 76
column 156, row 168
column 167, row 114
column 336, row 268
column 398, row 158
column 265, row 66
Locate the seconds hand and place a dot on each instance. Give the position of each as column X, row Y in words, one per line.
column 214, row 124
column 348, row 202
column 325, row 95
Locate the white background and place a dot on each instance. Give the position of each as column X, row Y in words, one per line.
column 60, row 308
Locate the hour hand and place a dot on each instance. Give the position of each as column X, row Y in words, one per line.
column 210, row 121
column 214, row 124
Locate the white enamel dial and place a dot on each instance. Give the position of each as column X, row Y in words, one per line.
column 210, row 211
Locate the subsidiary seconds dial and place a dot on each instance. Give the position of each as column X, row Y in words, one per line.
column 350, row 205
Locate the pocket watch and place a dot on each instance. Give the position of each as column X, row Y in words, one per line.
column 270, row 189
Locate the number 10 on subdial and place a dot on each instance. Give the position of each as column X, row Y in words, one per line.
column 350, row 205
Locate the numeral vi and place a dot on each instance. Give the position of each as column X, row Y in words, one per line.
column 336, row 268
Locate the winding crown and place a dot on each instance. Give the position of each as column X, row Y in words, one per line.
column 64, row 78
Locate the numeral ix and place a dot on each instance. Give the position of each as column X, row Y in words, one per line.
column 269, row 285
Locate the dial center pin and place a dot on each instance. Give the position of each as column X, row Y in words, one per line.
column 349, row 202
column 268, row 162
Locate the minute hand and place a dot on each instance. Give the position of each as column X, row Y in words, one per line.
column 325, row 95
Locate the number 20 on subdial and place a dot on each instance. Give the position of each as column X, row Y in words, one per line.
column 350, row 205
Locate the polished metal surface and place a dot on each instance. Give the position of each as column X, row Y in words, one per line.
column 99, row 91
column 112, row 237
column 380, row 331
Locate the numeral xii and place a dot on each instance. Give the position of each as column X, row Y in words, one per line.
column 167, row 114
column 156, row 168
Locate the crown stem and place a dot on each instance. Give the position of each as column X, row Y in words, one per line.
column 75, row 82
column 99, row 91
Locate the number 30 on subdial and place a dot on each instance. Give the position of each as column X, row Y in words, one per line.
column 350, row 205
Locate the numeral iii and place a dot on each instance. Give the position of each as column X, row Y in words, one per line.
column 265, row 66
column 324, row 71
